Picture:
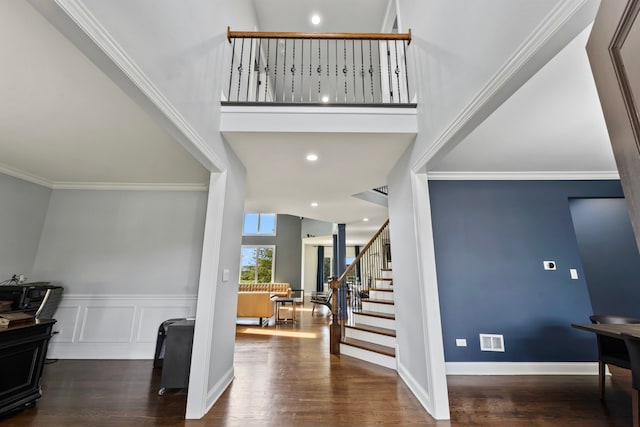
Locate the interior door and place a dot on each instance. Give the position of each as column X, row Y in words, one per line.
column 614, row 54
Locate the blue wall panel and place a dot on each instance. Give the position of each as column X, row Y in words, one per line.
column 609, row 255
column 491, row 238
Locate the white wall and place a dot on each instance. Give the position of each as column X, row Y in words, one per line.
column 128, row 260
column 467, row 57
column 123, row 242
column 22, row 215
column 309, row 269
column 420, row 354
column 175, row 53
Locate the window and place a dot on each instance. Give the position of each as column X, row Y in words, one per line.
column 259, row 223
column 256, row 264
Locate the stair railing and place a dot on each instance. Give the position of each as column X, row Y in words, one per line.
column 372, row 260
column 287, row 68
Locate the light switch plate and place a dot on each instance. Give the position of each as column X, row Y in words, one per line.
column 461, row 342
column 225, row 275
column 574, row 273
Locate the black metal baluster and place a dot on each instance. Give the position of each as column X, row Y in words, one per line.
column 319, row 69
column 275, row 73
column 302, row 71
column 233, row 55
column 397, row 71
column 310, row 67
column 406, row 70
column 284, row 72
column 336, row 98
column 353, row 64
column 266, row 71
column 364, row 100
column 259, row 54
column 250, row 69
column 373, row 99
column 240, row 71
column 380, row 72
column 389, row 72
column 293, row 70
column 328, row 64
column 344, row 68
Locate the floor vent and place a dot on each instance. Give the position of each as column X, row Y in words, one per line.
column 491, row 342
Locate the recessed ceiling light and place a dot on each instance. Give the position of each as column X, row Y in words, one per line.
column 314, row 204
column 315, row 19
column 312, row 157
column 365, row 219
column 325, row 98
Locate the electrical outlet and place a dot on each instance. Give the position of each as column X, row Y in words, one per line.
column 461, row 342
column 549, row 265
column 573, row 273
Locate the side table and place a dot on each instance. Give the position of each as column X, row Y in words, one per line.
column 280, row 302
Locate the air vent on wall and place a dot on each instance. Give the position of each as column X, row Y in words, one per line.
column 491, row 342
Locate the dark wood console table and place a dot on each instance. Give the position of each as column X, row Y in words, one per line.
column 23, row 350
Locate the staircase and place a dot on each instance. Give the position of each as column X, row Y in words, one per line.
column 370, row 334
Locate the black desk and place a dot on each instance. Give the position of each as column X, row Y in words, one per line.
column 616, row 331
column 23, row 350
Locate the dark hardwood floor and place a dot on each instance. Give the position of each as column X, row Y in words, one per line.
column 285, row 377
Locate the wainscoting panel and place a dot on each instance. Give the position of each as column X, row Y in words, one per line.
column 114, row 326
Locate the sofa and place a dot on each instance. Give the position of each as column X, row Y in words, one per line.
column 254, row 299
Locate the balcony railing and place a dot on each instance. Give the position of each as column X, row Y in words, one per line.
column 318, row 68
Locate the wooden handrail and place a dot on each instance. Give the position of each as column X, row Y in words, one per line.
column 323, row 36
column 362, row 252
column 337, row 325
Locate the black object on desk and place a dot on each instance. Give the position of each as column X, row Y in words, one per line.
column 23, row 349
column 177, row 355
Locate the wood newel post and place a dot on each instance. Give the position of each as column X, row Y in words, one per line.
column 335, row 334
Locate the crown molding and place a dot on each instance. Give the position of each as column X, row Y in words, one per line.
column 523, row 176
column 127, row 186
column 25, row 176
column 119, row 186
column 510, row 74
column 91, row 27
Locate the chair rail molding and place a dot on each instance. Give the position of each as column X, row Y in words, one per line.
column 114, row 326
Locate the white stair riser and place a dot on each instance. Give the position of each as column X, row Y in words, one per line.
column 383, row 284
column 387, row 274
column 371, row 337
column 368, row 356
column 389, row 266
column 374, row 321
column 376, row 306
column 385, row 296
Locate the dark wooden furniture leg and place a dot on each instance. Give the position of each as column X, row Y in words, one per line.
column 601, row 373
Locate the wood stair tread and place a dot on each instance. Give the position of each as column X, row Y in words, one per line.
column 375, row 329
column 386, row 269
column 376, row 348
column 377, row 301
column 375, row 314
column 381, row 289
column 384, row 278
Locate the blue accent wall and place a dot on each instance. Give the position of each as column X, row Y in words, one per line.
column 491, row 238
column 609, row 255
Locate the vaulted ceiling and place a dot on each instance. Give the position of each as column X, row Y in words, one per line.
column 63, row 123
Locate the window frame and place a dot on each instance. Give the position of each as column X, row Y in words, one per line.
column 275, row 223
column 273, row 262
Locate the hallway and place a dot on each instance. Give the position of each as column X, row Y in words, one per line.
column 286, row 377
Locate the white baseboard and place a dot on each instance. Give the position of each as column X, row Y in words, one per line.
column 113, row 326
column 216, row 391
column 418, row 391
column 522, row 368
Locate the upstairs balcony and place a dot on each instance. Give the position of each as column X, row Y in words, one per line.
column 333, row 82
